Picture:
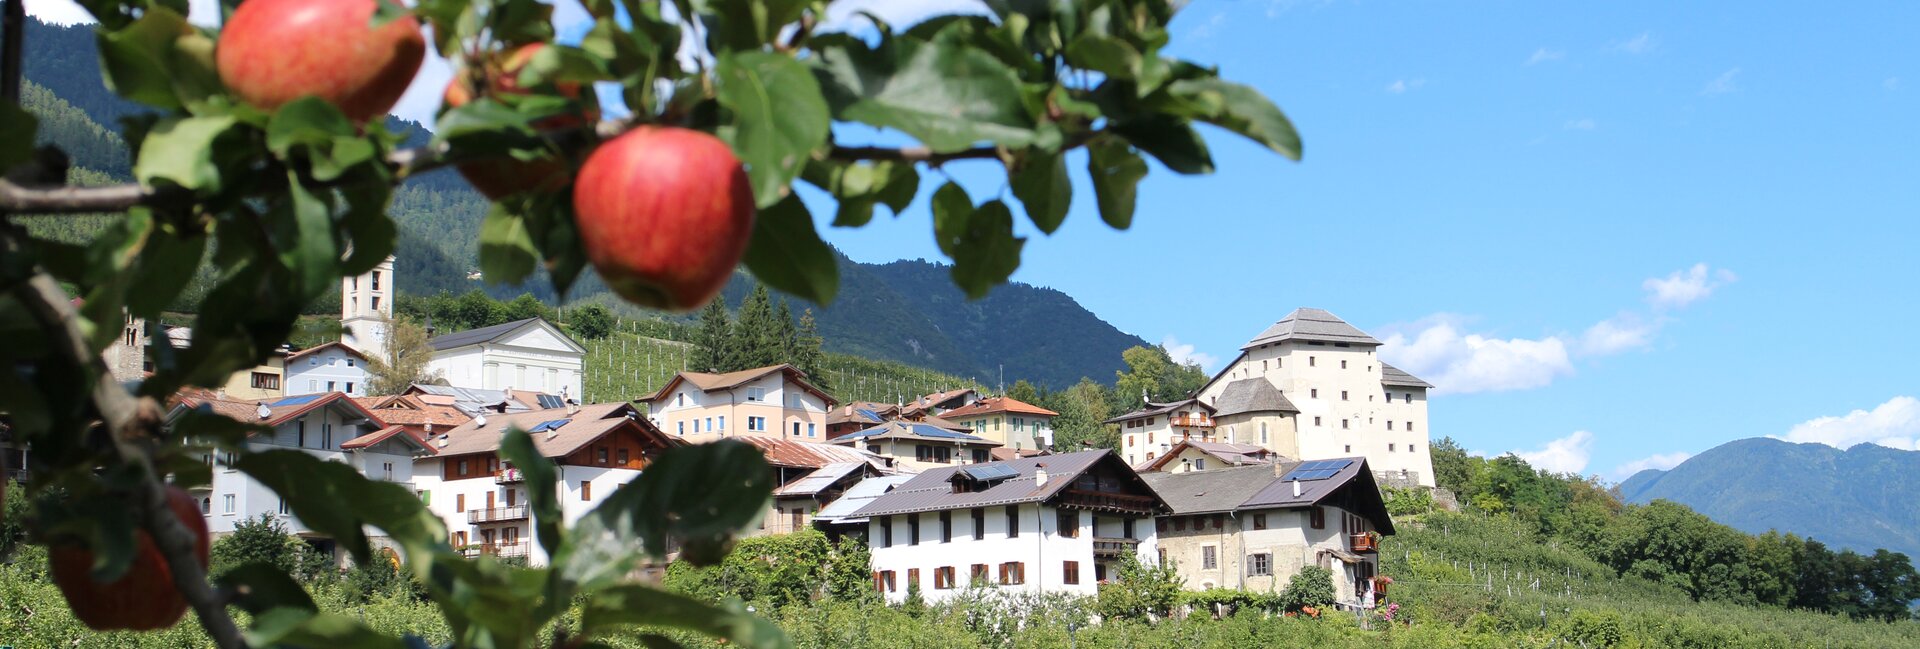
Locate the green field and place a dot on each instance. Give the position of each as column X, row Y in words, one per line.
column 626, row 366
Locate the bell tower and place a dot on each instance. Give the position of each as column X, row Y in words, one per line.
column 366, row 308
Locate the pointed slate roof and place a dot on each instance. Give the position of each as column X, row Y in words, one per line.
column 1390, row 375
column 1251, row 395
column 1311, row 324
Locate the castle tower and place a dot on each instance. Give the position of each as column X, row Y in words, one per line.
column 366, row 306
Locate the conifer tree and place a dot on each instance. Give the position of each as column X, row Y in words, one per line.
column 789, row 337
column 807, row 354
column 713, row 343
column 756, row 335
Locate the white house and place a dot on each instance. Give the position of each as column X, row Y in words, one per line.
column 1331, row 396
column 329, row 426
column 1054, row 523
column 332, row 367
column 1254, row 527
column 776, row 400
column 529, row 354
column 1147, row 433
column 483, row 499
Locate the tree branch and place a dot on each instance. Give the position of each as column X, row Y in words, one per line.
column 910, row 154
column 128, row 420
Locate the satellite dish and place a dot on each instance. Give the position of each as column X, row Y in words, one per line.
column 264, row 411
column 480, row 420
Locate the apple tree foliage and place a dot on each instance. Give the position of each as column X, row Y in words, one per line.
column 277, row 206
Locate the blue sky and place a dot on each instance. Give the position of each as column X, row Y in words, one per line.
column 1614, row 234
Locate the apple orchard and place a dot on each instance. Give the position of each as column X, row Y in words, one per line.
column 262, row 161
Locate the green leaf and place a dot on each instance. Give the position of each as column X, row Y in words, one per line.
column 984, row 251
column 507, row 255
column 166, row 264
column 951, row 209
column 1040, row 181
column 334, row 499
column 862, row 185
column 307, row 121
column 1104, row 54
column 1116, row 172
column 942, row 92
column 16, row 135
column 315, row 254
column 1245, row 111
column 1170, row 140
column 640, row 605
column 779, row 118
column 181, row 150
column 133, row 59
column 538, row 472
column 293, row 627
column 787, row 254
column 559, row 63
column 697, row 496
column 261, row 587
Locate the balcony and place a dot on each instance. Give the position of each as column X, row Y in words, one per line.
column 1103, row 501
column 1106, row 548
column 502, row 550
column 1198, row 422
column 1363, row 543
column 508, row 475
column 497, row 514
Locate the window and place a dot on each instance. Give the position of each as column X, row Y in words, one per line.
column 913, row 529
column 696, row 425
column 710, row 424
column 946, row 528
column 1343, row 395
column 459, row 502
column 376, row 303
column 329, row 386
column 1263, row 366
column 1389, row 448
column 1409, row 426
column 1349, row 449
column 757, row 423
column 1316, row 420
column 1344, row 424
column 206, row 506
column 1013, row 522
column 1069, row 523
column 723, row 423
column 943, row 578
column 883, row 581
column 376, row 281
column 810, row 431
column 796, row 429
column 1409, row 397
column 313, row 361
column 600, row 454
column 682, row 428
column 680, row 399
column 622, row 456
column 227, row 504
column 1260, row 565
column 1314, row 393
column 1312, row 362
column 586, row 490
column 980, row 526
column 1126, row 528
column 1263, row 432
column 978, row 574
column 980, row 456
column 1070, row 572
column 460, row 468
column 326, row 435
column 1317, row 518
column 349, row 364
column 1343, row 364
column 349, row 383
column 1389, row 424
column 1163, row 556
column 1259, row 521
column 1200, row 464
column 1013, row 572
column 1409, row 448
column 265, row 381
column 886, row 531
column 300, row 433
column 283, row 506
column 1209, row 557
column 756, row 394
column 1179, row 524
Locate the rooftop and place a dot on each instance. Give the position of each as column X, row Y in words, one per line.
column 1390, row 375
column 1154, row 409
column 992, row 405
column 914, row 430
column 1311, row 325
column 709, row 382
column 1252, row 395
column 933, row 490
column 556, row 432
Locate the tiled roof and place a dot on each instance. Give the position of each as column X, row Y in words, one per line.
column 856, row 497
column 279, row 410
column 992, row 405
column 933, row 490
column 1003, row 454
column 412, row 412
column 1226, row 453
column 781, row 452
column 476, row 336
column 556, row 432
column 318, row 348
column 820, row 480
column 715, row 382
column 936, row 399
column 1252, row 395
column 1206, row 492
column 1154, row 409
column 1262, row 487
column 378, row 436
column 1390, row 375
column 471, row 400
column 866, row 412
column 1311, row 324
column 914, row 430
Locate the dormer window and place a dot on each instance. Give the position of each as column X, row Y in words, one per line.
column 756, row 394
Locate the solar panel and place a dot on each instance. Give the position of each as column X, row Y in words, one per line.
column 295, row 401
column 549, row 425
column 990, row 472
column 871, row 415
column 1317, row 470
column 924, row 430
column 551, row 401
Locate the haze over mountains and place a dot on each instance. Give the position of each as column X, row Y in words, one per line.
column 905, row 311
column 1860, row 499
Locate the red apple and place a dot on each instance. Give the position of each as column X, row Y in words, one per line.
column 664, row 214
column 501, row 177
column 144, row 599
column 275, row 51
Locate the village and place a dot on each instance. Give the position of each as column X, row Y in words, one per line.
column 1275, row 464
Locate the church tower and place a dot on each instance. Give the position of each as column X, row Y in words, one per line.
column 366, row 308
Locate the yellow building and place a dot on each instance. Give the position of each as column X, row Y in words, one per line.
column 776, row 400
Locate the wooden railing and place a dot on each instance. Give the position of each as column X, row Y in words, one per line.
column 515, row 549
column 1190, row 421
column 497, row 514
column 1125, row 503
column 1109, row 548
column 1362, row 543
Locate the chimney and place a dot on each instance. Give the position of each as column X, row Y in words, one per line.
column 1296, row 488
column 573, row 408
column 429, row 429
column 1278, row 470
column 1040, row 475
column 442, row 442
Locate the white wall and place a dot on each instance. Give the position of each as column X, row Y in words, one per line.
column 1039, row 546
column 533, row 359
column 251, row 499
column 442, row 498
column 312, row 373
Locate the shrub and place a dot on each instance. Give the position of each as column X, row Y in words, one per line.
column 1312, row 586
column 1139, row 590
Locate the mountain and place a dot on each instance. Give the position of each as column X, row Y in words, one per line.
column 905, row 311
column 1860, row 498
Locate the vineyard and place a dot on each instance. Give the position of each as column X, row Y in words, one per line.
column 626, row 366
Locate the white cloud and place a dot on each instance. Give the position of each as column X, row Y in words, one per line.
column 1617, row 334
column 1894, row 424
column 1641, row 44
column 1184, row 353
column 1684, row 287
column 1582, row 124
column 1660, row 461
column 1565, row 455
column 1440, row 352
column 1402, row 85
column 1722, row 84
column 1544, row 55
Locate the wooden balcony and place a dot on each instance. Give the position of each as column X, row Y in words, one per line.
column 1103, row 501
column 502, row 550
column 1106, row 548
column 508, row 475
column 497, row 514
column 1362, row 543
column 1199, row 422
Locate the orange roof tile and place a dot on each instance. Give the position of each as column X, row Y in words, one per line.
column 992, row 405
